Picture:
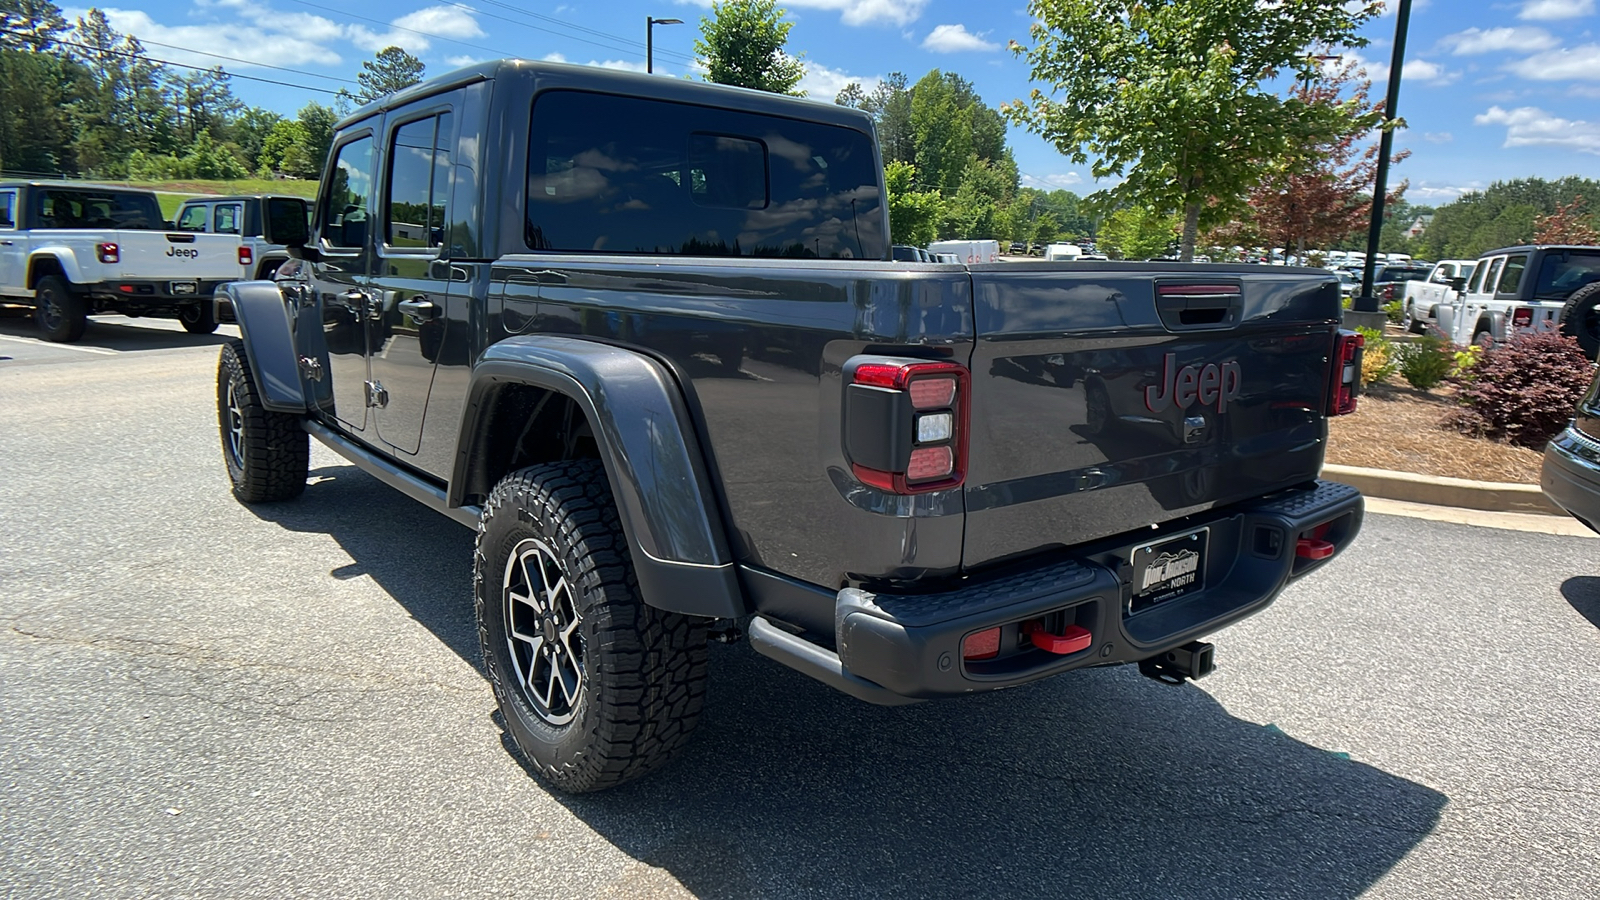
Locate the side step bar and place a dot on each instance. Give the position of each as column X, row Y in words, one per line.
column 818, row 662
column 403, row 480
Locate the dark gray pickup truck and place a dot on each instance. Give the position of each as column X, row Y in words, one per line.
column 646, row 336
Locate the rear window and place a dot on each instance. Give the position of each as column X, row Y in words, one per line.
column 1403, row 273
column 76, row 208
column 610, row 174
column 1564, row 271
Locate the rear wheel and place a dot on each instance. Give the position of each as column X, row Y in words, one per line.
column 1580, row 318
column 1411, row 322
column 267, row 453
column 596, row 687
column 198, row 318
column 61, row 315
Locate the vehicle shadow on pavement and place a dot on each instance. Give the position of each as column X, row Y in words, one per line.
column 1098, row 783
column 1583, row 592
column 118, row 334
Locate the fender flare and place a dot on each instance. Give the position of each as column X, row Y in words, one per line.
column 263, row 319
column 651, row 453
column 64, row 257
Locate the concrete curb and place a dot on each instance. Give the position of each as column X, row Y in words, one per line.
column 1436, row 491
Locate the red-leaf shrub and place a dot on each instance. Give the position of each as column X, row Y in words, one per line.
column 1523, row 390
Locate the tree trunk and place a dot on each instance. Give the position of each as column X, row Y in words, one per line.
column 1191, row 232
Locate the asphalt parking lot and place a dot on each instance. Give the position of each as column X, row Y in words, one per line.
column 203, row 700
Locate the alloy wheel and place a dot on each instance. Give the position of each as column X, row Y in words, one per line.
column 235, row 426
column 542, row 632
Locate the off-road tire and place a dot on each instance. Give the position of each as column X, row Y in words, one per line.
column 1412, row 323
column 60, row 314
column 1580, row 318
column 643, row 677
column 267, row 453
column 198, row 318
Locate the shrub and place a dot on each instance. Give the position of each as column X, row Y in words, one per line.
column 1523, row 391
column 1377, row 360
column 1465, row 359
column 1425, row 362
column 1395, row 310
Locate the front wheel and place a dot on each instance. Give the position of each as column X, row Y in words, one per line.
column 596, row 687
column 61, row 315
column 267, row 453
column 198, row 318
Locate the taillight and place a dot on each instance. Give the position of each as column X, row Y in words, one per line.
column 905, row 423
column 245, row 256
column 1522, row 318
column 107, row 252
column 1347, row 349
column 1388, row 292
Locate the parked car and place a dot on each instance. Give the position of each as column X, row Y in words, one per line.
column 1538, row 287
column 244, row 216
column 1389, row 279
column 910, row 501
column 1571, row 473
column 905, row 253
column 70, row 249
column 1423, row 298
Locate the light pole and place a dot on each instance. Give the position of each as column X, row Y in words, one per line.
column 1364, row 301
column 650, row 23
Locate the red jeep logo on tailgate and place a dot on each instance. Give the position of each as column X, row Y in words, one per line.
column 1213, row 384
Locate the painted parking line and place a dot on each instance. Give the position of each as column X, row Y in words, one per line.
column 38, row 343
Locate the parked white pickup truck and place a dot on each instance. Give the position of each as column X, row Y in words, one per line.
column 1423, row 298
column 69, row 250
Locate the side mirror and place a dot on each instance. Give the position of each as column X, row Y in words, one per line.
column 284, row 222
column 1459, row 284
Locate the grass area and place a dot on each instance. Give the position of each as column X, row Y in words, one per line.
column 173, row 193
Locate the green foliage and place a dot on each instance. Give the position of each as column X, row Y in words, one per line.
column 913, row 214
column 1045, row 229
column 204, row 158
column 390, row 71
column 1464, row 360
column 1425, row 362
column 741, row 43
column 1176, row 97
column 1137, row 232
column 1377, row 360
column 1395, row 310
column 1500, row 216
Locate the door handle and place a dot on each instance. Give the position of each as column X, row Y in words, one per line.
column 418, row 307
column 5, row 243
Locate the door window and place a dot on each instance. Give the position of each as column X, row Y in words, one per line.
column 1493, row 275
column 192, row 219
column 1511, row 275
column 8, row 207
column 1477, row 277
column 344, row 218
column 226, row 220
column 419, row 182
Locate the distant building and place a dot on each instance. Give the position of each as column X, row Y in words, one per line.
column 1419, row 226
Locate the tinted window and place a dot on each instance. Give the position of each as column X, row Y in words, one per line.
column 193, row 218
column 1493, row 277
column 625, row 175
column 73, row 208
column 419, row 181
column 1477, row 277
column 1564, row 271
column 8, row 205
column 226, row 219
column 344, row 219
column 1511, row 275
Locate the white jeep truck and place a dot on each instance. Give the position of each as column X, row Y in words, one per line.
column 69, row 250
column 1533, row 287
column 1423, row 298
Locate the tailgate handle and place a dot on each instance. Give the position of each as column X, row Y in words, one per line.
column 181, row 238
column 1191, row 306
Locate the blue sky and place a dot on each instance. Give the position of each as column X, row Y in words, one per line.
column 1493, row 89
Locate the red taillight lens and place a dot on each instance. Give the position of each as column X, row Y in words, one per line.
column 108, row 252
column 1347, row 348
column 1522, row 318
column 905, row 428
column 983, row 644
column 245, row 256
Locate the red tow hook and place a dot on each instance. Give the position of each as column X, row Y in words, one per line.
column 1075, row 638
column 1311, row 548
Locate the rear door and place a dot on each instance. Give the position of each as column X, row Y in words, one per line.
column 1113, row 396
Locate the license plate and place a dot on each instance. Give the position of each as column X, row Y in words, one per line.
column 1169, row 569
column 184, row 287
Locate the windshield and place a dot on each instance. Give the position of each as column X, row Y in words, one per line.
column 78, row 208
column 1563, row 272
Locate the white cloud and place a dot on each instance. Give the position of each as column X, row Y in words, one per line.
column 553, row 57
column 444, row 21
column 290, row 40
column 462, row 61
column 823, row 83
column 1569, row 63
column 623, row 65
column 1436, row 194
column 1420, row 70
column 1053, row 181
column 1530, row 126
column 1546, row 10
column 853, row 12
column 954, row 39
column 1438, row 137
column 1495, row 40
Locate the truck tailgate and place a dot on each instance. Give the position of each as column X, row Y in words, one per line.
column 178, row 255
column 1109, row 397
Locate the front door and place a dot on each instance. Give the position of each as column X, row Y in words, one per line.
column 410, row 279
column 12, row 249
column 341, row 277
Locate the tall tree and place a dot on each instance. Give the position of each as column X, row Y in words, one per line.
column 913, row 214
column 890, row 106
column 248, row 130
column 318, row 122
column 30, row 24
column 1173, row 95
column 741, row 43
column 1137, row 232
column 390, row 71
column 126, row 105
column 207, row 102
column 1500, row 215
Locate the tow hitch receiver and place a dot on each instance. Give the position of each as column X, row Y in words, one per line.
column 1192, row 660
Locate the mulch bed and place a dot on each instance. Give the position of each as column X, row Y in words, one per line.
column 1397, row 427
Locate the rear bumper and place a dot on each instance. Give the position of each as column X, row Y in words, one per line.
column 1571, row 475
column 902, row 648
column 151, row 292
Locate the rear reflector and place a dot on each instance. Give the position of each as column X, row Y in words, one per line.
column 984, row 644
column 1310, row 548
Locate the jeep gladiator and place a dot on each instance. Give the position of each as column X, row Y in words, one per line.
column 646, row 337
